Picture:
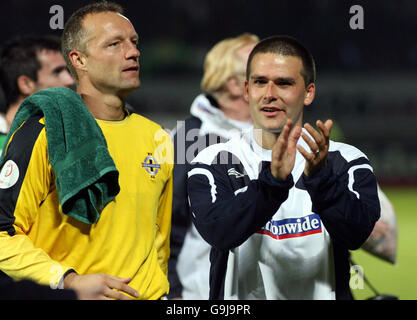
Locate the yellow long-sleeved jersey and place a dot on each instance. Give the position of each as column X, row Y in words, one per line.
column 131, row 238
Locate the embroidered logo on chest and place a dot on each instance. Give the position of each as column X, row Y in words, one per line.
column 151, row 165
column 234, row 172
column 292, row 227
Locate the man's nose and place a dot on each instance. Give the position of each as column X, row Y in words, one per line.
column 132, row 51
column 66, row 79
column 270, row 93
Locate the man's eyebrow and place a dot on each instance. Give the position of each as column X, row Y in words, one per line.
column 121, row 37
column 114, row 37
column 279, row 79
column 285, row 79
column 257, row 77
column 59, row 69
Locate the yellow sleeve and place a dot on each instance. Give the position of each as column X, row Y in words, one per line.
column 165, row 206
column 21, row 260
column 164, row 226
column 25, row 179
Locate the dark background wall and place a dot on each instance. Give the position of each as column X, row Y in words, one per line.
column 366, row 78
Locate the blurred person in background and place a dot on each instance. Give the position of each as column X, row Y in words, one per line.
column 27, row 65
column 383, row 240
column 216, row 114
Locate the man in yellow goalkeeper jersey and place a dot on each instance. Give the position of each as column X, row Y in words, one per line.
column 124, row 253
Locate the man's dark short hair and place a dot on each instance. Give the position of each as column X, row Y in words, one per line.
column 19, row 56
column 286, row 46
column 73, row 35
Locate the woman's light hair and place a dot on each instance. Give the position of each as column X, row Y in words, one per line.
column 222, row 62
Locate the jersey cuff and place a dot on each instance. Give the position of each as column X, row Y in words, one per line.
column 267, row 177
column 61, row 280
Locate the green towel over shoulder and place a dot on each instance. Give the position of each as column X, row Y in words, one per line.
column 2, row 141
column 86, row 177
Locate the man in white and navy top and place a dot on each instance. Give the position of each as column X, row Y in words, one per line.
column 282, row 205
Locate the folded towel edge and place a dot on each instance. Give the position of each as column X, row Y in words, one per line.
column 69, row 195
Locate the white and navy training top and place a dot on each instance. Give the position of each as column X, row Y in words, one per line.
column 274, row 239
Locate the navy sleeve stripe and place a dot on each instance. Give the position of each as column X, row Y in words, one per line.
column 349, row 217
column 18, row 153
column 351, row 173
column 210, row 178
column 246, row 211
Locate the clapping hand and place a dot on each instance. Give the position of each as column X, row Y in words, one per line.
column 319, row 145
column 284, row 151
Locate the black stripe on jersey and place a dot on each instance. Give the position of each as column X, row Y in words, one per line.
column 20, row 151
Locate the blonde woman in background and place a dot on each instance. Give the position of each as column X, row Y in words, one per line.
column 216, row 114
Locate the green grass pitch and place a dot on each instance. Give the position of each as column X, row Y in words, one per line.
column 399, row 279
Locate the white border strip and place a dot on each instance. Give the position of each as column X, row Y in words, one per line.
column 210, row 178
column 351, row 178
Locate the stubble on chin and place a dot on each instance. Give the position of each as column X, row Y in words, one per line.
column 274, row 130
column 277, row 128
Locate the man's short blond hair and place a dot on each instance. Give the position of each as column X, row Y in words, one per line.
column 222, row 62
column 74, row 36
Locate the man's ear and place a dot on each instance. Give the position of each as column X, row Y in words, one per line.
column 310, row 94
column 246, row 91
column 26, row 85
column 78, row 60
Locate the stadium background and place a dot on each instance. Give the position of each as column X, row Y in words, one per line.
column 366, row 82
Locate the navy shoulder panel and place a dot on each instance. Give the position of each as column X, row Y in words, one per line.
column 16, row 158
